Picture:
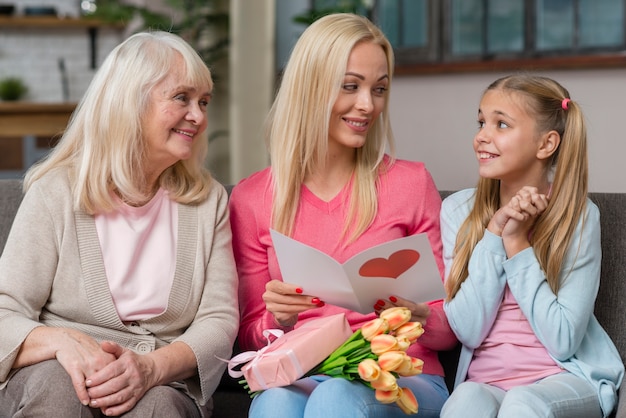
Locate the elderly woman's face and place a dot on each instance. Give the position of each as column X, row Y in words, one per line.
column 174, row 120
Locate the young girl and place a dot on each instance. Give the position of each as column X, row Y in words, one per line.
column 522, row 254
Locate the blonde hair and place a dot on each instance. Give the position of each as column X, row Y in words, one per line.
column 298, row 122
column 553, row 231
column 103, row 146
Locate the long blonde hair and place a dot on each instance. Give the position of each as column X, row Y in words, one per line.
column 298, row 122
column 103, row 146
column 552, row 233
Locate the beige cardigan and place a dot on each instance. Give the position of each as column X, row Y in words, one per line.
column 52, row 274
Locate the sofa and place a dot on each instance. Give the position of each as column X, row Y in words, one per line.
column 231, row 401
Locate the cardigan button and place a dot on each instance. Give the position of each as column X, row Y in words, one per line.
column 143, row 347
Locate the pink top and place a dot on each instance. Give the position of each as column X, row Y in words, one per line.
column 408, row 203
column 139, row 251
column 511, row 355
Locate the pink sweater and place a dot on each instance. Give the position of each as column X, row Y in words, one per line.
column 408, row 204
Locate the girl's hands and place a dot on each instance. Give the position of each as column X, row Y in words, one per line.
column 419, row 311
column 118, row 387
column 515, row 220
column 285, row 301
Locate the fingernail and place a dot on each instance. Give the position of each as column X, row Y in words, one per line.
column 393, row 299
column 315, row 301
column 380, row 302
column 320, row 304
column 299, row 290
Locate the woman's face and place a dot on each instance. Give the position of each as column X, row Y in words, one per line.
column 174, row 120
column 361, row 98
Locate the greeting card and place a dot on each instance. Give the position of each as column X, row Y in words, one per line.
column 403, row 267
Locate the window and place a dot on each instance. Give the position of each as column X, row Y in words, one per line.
column 439, row 31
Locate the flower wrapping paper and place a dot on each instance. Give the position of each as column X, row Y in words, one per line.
column 293, row 354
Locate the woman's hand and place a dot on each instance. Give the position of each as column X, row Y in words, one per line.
column 285, row 301
column 79, row 354
column 118, row 387
column 419, row 311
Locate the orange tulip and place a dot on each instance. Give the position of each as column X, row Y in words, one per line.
column 386, row 381
column 391, row 360
column 412, row 330
column 396, row 316
column 387, row 396
column 373, row 328
column 382, row 343
column 412, row 367
column 403, row 342
column 407, row 401
column 369, row 370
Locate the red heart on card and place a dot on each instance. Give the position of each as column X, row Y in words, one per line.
column 391, row 267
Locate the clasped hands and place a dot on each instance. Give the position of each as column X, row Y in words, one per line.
column 105, row 376
column 285, row 301
column 515, row 220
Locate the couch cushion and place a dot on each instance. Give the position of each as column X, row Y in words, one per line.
column 610, row 306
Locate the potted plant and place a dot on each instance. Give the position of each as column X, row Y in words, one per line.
column 12, row 88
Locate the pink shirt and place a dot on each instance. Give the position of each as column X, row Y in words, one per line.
column 139, row 251
column 511, row 355
column 408, row 203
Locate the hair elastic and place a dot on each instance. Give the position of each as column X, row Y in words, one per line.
column 564, row 103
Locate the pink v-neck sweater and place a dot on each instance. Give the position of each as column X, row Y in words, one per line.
column 408, row 203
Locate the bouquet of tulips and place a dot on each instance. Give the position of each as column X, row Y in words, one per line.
column 376, row 355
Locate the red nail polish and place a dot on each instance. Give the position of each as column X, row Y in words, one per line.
column 319, row 305
column 393, row 299
column 315, row 301
column 380, row 302
column 299, row 290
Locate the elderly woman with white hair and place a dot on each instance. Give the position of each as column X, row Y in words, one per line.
column 117, row 283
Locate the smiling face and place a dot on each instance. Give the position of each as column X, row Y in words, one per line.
column 174, row 119
column 361, row 98
column 508, row 141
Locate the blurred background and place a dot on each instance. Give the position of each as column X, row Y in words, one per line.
column 447, row 52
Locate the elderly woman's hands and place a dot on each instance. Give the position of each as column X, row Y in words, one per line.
column 285, row 301
column 79, row 354
column 118, row 387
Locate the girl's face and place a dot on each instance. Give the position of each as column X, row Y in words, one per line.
column 507, row 140
column 361, row 99
column 174, row 120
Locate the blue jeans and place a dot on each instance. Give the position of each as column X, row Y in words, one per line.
column 325, row 397
column 561, row 395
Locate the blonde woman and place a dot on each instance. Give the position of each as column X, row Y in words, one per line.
column 331, row 186
column 522, row 252
column 118, row 279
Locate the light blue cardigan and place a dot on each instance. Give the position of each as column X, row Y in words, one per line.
column 565, row 325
